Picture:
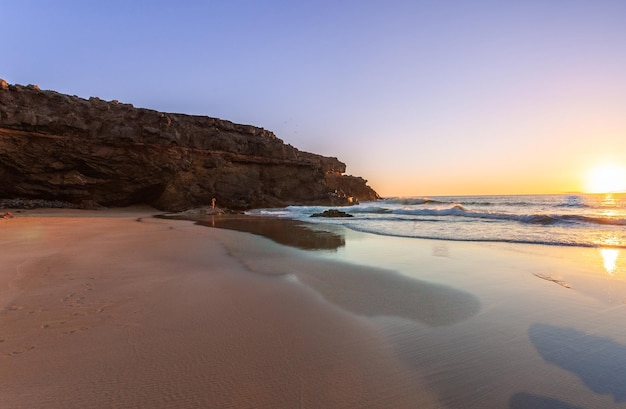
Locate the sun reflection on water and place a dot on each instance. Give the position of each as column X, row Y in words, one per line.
column 609, row 258
column 609, row 253
column 608, row 200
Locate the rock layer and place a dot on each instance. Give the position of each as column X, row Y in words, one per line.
column 98, row 153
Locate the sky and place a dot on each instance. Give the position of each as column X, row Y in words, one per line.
column 420, row 97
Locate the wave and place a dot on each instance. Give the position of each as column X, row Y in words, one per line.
column 374, row 210
column 413, row 201
column 547, row 242
column 460, row 211
column 548, row 219
column 456, row 210
column 610, row 221
column 575, row 206
column 539, row 201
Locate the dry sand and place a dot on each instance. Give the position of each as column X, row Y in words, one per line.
column 118, row 309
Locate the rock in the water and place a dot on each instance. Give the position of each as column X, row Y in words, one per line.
column 58, row 147
column 332, row 213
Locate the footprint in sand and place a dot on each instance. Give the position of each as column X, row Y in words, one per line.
column 73, row 331
column 25, row 349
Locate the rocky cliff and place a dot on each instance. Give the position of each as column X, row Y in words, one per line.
column 93, row 152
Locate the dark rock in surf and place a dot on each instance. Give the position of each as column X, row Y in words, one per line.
column 332, row 213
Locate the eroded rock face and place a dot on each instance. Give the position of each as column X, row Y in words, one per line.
column 60, row 147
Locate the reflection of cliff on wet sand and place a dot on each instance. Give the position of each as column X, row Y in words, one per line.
column 599, row 362
column 283, row 231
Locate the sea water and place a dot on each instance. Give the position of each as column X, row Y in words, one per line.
column 584, row 220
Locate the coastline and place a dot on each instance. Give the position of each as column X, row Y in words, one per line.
column 117, row 308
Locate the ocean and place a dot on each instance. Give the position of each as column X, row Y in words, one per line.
column 583, row 220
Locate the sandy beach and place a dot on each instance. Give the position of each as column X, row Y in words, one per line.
column 116, row 308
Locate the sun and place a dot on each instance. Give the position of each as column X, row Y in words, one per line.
column 606, row 178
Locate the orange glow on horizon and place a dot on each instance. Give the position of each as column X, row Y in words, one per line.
column 454, row 186
column 572, row 176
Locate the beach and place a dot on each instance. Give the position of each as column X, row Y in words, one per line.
column 116, row 308
column 106, row 309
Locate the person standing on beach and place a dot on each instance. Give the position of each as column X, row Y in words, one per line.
column 213, row 203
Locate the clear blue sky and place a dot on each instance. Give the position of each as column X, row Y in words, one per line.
column 419, row 97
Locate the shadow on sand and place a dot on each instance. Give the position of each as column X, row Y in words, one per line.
column 372, row 292
column 599, row 362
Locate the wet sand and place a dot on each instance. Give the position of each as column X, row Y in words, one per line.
column 485, row 325
column 119, row 309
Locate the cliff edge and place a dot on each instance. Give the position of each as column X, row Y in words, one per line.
column 105, row 153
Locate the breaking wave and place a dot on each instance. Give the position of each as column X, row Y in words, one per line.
column 460, row 211
column 411, row 201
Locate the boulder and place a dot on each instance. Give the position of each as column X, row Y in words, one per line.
column 332, row 213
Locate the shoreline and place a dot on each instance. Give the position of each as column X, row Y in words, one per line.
column 118, row 308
